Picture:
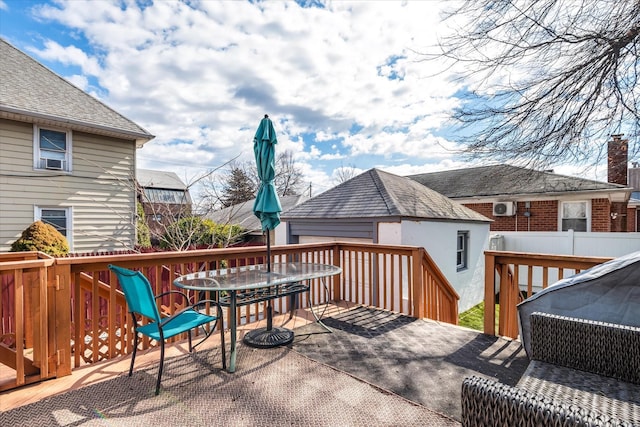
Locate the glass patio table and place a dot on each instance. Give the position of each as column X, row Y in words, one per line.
column 255, row 283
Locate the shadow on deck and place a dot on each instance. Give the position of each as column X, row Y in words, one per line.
column 421, row 360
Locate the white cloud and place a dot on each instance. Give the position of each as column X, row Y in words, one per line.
column 200, row 76
column 70, row 55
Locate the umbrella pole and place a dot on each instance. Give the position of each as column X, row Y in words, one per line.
column 269, row 308
column 268, row 251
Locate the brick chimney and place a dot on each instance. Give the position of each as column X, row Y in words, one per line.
column 617, row 160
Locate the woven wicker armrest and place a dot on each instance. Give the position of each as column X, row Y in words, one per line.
column 487, row 402
column 602, row 348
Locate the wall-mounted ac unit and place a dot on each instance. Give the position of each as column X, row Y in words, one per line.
column 55, row 164
column 504, row 208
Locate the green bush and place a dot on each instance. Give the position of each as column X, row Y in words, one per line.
column 222, row 235
column 41, row 237
column 195, row 231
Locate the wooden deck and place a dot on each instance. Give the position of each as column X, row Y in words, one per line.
column 95, row 373
column 375, row 368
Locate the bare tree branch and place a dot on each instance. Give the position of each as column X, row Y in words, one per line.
column 545, row 81
column 344, row 173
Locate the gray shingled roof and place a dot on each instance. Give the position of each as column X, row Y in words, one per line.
column 378, row 194
column 505, row 180
column 148, row 178
column 242, row 213
column 31, row 92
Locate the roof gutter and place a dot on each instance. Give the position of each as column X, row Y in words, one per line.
column 15, row 114
column 623, row 195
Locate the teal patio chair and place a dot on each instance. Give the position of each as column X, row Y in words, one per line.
column 142, row 303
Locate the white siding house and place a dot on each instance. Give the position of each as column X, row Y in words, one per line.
column 65, row 158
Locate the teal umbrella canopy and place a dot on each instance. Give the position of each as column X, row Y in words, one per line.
column 267, row 205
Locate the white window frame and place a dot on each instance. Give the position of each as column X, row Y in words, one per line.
column 587, row 204
column 462, row 252
column 166, row 196
column 38, row 159
column 37, row 215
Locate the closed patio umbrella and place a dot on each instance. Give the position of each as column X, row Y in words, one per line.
column 267, row 207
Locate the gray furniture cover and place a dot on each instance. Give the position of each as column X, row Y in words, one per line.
column 609, row 292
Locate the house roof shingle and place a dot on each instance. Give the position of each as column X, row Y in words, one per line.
column 149, row 178
column 505, row 180
column 378, row 194
column 31, row 92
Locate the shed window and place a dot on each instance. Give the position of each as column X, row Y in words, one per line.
column 462, row 252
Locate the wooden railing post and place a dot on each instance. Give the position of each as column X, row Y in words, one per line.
column 418, row 297
column 489, row 294
column 19, row 316
column 60, row 318
column 41, row 331
column 503, row 290
column 337, row 295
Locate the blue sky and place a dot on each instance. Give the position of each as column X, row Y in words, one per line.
column 340, row 79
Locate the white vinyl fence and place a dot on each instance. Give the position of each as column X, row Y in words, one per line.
column 564, row 243
column 569, row 243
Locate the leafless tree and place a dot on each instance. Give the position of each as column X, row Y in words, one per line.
column 344, row 173
column 288, row 179
column 545, row 81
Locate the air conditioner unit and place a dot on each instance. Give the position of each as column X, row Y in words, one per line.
column 504, row 208
column 55, row 164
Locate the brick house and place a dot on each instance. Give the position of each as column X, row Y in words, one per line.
column 164, row 199
column 521, row 199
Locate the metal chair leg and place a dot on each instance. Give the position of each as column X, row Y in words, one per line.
column 133, row 356
column 224, row 354
column 135, row 348
column 161, row 366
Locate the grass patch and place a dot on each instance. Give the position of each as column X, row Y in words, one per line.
column 474, row 317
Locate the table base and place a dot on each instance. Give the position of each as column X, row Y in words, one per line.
column 268, row 338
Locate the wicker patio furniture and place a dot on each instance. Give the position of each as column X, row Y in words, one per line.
column 581, row 373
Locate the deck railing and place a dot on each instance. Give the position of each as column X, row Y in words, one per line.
column 27, row 298
column 86, row 317
column 515, row 276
